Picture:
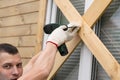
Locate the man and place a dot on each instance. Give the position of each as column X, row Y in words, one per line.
column 39, row 67
column 10, row 62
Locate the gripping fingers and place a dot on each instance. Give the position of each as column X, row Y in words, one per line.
column 63, row 27
column 76, row 29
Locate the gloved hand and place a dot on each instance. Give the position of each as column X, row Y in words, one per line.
column 60, row 36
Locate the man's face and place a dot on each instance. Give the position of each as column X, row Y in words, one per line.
column 10, row 66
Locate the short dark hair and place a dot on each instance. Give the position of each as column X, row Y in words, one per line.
column 10, row 49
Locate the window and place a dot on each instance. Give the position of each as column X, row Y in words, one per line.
column 107, row 29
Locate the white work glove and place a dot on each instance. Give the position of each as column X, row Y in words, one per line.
column 60, row 36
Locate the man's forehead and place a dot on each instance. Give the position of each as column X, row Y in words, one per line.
column 8, row 58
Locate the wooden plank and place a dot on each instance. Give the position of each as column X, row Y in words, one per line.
column 19, row 9
column 12, row 40
column 30, row 18
column 41, row 23
column 102, row 54
column 15, row 31
column 26, row 52
column 11, row 21
column 27, row 41
column 95, row 11
column 68, row 10
column 8, row 3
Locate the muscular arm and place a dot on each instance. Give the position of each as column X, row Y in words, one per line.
column 43, row 64
column 40, row 66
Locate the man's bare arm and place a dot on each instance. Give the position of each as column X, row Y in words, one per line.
column 43, row 65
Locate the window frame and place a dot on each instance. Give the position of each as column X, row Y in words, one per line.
column 85, row 68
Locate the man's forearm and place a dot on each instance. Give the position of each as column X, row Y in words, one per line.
column 43, row 64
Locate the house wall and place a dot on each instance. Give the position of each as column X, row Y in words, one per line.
column 18, row 25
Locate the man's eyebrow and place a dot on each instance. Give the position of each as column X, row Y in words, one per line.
column 20, row 63
column 6, row 64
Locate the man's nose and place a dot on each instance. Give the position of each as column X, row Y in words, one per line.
column 15, row 71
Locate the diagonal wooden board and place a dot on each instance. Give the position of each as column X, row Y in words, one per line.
column 105, row 58
column 112, row 67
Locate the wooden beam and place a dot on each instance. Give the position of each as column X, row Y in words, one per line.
column 101, row 53
column 95, row 11
column 68, row 10
column 41, row 23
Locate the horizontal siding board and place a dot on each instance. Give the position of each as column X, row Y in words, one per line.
column 30, row 18
column 11, row 40
column 12, row 20
column 26, row 51
column 28, row 41
column 7, row 3
column 34, row 28
column 19, row 9
column 11, row 10
column 15, row 31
